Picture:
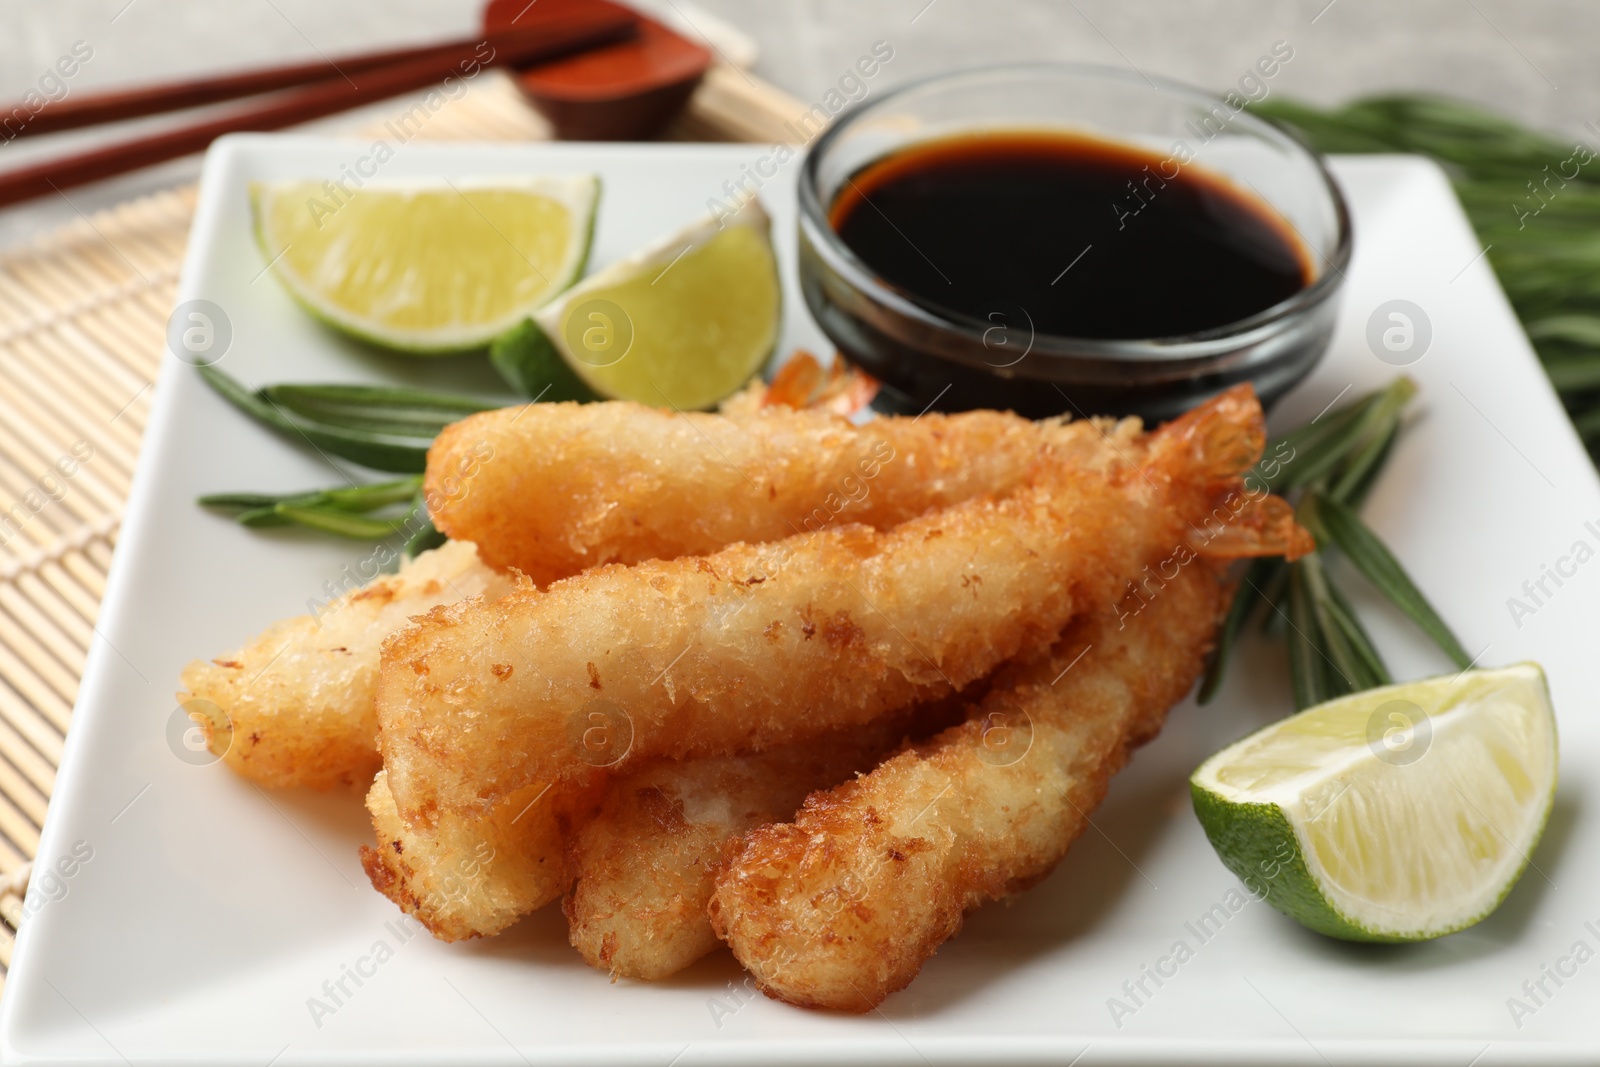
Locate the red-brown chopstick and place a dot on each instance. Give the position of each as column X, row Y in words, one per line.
column 552, row 37
column 90, row 110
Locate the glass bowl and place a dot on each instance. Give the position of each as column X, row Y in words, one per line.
column 933, row 357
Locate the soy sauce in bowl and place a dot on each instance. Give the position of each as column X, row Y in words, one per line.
column 1055, row 238
column 1088, row 238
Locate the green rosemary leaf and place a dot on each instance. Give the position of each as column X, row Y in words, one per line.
column 368, row 449
column 346, row 498
column 1349, row 623
column 1356, row 494
column 1359, row 472
column 1374, row 559
column 1305, row 655
column 372, row 497
column 1328, row 133
column 1310, row 440
column 425, row 402
column 1275, row 593
column 376, row 409
column 257, row 518
column 1377, row 415
column 1588, row 425
column 1571, row 373
column 239, row 500
column 1581, row 330
column 1245, row 598
column 1534, row 201
column 1476, row 143
column 1351, row 673
column 337, row 521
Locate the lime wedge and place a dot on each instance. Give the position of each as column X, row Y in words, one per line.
column 434, row 267
column 683, row 323
column 1397, row 814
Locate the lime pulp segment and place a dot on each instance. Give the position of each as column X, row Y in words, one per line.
column 430, row 267
column 682, row 324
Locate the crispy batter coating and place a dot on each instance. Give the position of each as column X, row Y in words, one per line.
column 304, row 718
column 296, row 702
column 645, row 865
column 842, row 907
column 761, row 645
column 474, row 877
column 550, row 489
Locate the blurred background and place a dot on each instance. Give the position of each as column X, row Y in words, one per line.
column 1532, row 61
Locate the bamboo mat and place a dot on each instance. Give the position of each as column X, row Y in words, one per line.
column 83, row 315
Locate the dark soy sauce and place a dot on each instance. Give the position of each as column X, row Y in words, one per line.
column 1088, row 238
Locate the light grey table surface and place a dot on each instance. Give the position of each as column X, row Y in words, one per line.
column 1531, row 59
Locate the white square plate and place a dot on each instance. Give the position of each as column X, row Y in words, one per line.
column 210, row 911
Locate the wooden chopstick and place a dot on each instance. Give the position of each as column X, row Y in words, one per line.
column 552, row 37
column 78, row 111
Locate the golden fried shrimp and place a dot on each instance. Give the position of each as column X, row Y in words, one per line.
column 551, row 489
column 474, row 877
column 645, row 865
column 842, row 907
column 294, row 706
column 761, row 645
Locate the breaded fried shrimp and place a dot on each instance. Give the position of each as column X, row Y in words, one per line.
column 294, row 706
column 842, row 906
column 644, row 867
column 570, row 486
column 756, row 646
column 466, row 878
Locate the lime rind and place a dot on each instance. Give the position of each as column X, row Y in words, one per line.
column 579, row 194
column 531, row 365
column 1261, row 832
column 1256, row 843
column 656, row 259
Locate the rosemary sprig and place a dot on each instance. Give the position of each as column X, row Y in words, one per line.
column 1343, row 527
column 1534, row 201
column 335, row 521
column 343, row 511
column 387, row 428
column 399, row 453
column 375, row 409
column 1330, row 467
